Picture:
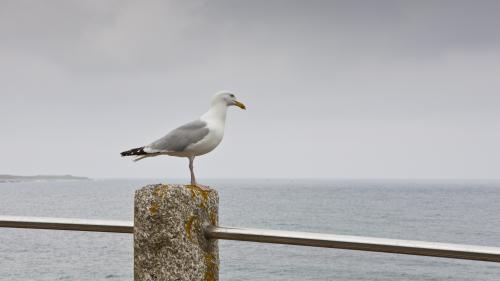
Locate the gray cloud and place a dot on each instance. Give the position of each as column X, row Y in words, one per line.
column 335, row 88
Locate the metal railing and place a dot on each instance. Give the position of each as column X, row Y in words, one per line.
column 67, row 224
column 372, row 244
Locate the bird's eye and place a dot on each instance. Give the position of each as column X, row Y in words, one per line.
column 231, row 95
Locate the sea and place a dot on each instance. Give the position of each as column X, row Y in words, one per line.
column 454, row 211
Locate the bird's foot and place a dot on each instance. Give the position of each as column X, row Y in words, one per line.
column 202, row 187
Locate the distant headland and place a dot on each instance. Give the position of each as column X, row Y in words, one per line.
column 15, row 178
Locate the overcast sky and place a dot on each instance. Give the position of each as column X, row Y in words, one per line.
column 349, row 89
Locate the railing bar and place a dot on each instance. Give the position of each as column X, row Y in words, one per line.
column 396, row 246
column 67, row 224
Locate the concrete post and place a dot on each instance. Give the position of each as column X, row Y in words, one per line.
column 168, row 234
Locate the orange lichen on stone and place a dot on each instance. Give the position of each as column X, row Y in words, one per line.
column 192, row 189
column 197, row 191
column 189, row 225
column 213, row 218
column 160, row 190
column 153, row 209
column 211, row 267
column 204, row 195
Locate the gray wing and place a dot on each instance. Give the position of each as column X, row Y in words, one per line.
column 180, row 138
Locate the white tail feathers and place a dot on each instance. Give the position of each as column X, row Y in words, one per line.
column 145, row 156
column 140, row 157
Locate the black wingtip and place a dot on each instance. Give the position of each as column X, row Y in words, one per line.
column 133, row 152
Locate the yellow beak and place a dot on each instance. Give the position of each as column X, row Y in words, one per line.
column 240, row 105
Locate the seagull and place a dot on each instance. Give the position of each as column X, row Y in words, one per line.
column 193, row 139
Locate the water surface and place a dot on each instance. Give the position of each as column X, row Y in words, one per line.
column 441, row 211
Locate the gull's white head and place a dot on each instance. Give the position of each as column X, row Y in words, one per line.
column 227, row 99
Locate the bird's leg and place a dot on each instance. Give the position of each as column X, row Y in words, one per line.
column 193, row 179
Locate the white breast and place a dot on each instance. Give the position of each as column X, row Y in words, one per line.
column 211, row 140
